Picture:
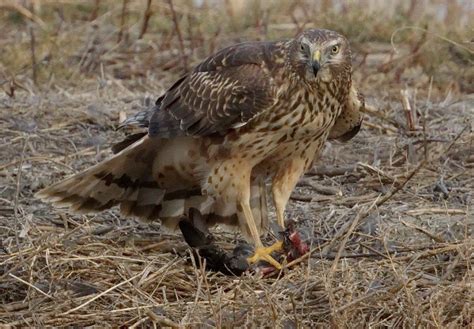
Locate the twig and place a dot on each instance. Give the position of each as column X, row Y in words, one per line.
column 191, row 35
column 407, row 109
column 430, row 252
column 326, row 190
column 411, row 10
column 375, row 251
column 302, row 197
column 123, row 18
column 33, row 55
column 455, row 140
column 331, row 171
column 399, row 254
column 373, row 111
column 25, row 12
column 105, row 292
column 381, row 127
column 18, row 177
column 457, row 44
column 389, row 195
column 368, row 296
column 180, row 37
column 159, row 319
column 445, row 211
column 31, row 286
column 423, row 118
column 38, row 159
column 377, row 171
column 17, row 306
column 139, row 322
column 435, row 237
column 360, row 215
column 146, row 17
column 95, row 11
column 341, row 231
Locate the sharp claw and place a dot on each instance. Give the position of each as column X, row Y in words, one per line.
column 264, row 254
column 269, row 259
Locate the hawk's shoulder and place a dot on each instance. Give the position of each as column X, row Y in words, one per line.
column 262, row 53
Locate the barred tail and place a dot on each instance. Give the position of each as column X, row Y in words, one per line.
column 124, row 179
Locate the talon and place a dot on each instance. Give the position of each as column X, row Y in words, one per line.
column 264, row 253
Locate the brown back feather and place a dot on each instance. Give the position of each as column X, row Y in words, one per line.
column 227, row 89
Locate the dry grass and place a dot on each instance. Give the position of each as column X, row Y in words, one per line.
column 391, row 233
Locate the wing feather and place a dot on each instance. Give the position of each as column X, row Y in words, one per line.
column 225, row 91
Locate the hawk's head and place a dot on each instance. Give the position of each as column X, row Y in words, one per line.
column 320, row 55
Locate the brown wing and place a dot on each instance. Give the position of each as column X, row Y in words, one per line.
column 225, row 91
column 348, row 123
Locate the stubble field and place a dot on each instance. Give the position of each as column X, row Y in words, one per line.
column 389, row 213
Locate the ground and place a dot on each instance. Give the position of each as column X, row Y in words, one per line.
column 388, row 214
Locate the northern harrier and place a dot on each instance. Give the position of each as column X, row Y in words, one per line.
column 251, row 112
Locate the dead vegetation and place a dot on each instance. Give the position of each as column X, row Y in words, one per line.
column 388, row 215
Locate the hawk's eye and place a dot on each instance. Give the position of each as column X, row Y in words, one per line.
column 303, row 47
column 335, row 49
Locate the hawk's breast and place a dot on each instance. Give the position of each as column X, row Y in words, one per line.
column 299, row 120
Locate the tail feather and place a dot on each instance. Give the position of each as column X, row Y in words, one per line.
column 124, row 178
column 145, row 212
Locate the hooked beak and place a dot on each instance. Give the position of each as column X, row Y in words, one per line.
column 316, row 62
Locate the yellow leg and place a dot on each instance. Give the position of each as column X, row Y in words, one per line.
column 261, row 252
column 283, row 183
column 248, row 215
column 280, row 212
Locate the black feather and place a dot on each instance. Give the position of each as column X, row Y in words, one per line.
column 129, row 140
